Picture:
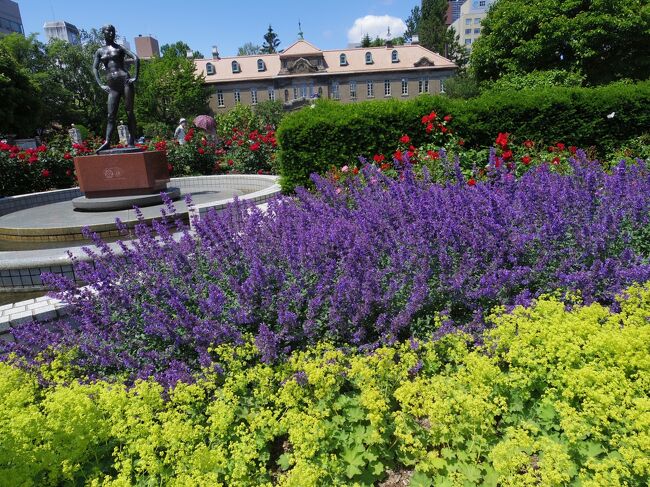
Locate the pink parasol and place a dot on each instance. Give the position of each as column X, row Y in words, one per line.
column 205, row 122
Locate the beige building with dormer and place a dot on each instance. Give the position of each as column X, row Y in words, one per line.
column 302, row 72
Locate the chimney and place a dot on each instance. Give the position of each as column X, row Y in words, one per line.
column 415, row 39
column 189, row 54
column 215, row 52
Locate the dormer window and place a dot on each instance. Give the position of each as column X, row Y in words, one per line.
column 343, row 60
column 368, row 58
column 260, row 65
column 209, row 69
column 394, row 57
column 235, row 67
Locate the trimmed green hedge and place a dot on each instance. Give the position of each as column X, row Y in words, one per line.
column 331, row 134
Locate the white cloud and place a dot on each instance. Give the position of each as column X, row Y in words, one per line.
column 375, row 26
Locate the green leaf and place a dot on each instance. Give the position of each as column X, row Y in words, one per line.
column 284, row 461
column 420, row 479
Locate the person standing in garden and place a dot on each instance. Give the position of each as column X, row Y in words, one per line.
column 179, row 133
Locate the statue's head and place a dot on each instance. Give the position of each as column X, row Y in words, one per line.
column 109, row 32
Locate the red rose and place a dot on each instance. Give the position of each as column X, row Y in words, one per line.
column 378, row 158
column 204, row 142
column 385, row 166
column 471, row 182
column 556, row 160
column 502, row 140
column 22, row 156
column 67, row 155
column 33, row 159
column 201, row 150
column 461, row 142
column 41, row 148
column 355, row 170
column 255, row 146
column 429, row 128
column 170, row 168
column 68, row 172
column 230, row 162
column 507, row 155
column 45, row 173
column 528, row 143
column 525, row 160
column 432, row 116
column 443, row 129
column 425, row 119
column 433, row 154
column 573, row 149
column 560, row 145
column 398, row 155
column 188, row 137
column 405, row 139
column 260, row 171
column 498, row 162
column 447, row 118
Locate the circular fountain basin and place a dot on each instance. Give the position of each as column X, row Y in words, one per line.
column 38, row 230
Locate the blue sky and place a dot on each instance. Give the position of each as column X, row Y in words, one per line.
column 331, row 24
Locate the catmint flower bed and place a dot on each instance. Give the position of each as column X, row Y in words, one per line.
column 370, row 262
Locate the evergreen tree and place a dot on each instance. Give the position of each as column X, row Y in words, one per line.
column 412, row 23
column 366, row 41
column 271, row 42
column 432, row 28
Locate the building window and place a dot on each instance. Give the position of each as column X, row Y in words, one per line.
column 237, row 96
column 468, row 31
column 335, row 90
column 253, row 96
column 220, row 98
column 394, row 58
column 477, row 31
column 343, row 60
column 271, row 94
column 468, row 21
column 295, row 92
column 303, row 90
column 423, row 85
column 477, row 20
column 319, row 62
column 370, row 89
column 260, row 65
column 468, row 42
column 235, row 67
column 286, row 96
column 353, row 90
column 368, row 58
column 387, row 87
column 442, row 86
column 481, row 3
column 209, row 69
column 405, row 86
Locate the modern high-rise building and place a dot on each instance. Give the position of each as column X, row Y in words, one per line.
column 60, row 29
column 453, row 10
column 468, row 24
column 10, row 20
column 146, row 47
column 121, row 40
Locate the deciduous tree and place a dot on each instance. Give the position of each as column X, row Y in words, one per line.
column 169, row 88
column 248, row 49
column 605, row 41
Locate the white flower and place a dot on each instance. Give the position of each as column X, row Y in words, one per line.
column 611, row 115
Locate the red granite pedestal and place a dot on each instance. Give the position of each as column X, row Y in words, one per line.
column 122, row 174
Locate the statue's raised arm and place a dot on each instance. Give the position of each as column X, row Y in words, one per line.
column 119, row 83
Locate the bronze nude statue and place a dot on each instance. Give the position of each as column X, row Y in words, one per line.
column 118, row 83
